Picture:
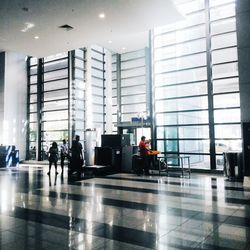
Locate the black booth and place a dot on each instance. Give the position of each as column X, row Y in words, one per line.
column 116, row 152
column 233, row 165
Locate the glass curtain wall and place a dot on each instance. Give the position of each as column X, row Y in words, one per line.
column 55, row 104
column 196, row 85
column 62, row 100
column 78, row 94
column 97, row 94
column 115, row 86
column 32, row 108
column 133, row 84
column 130, row 92
column 225, row 77
column 129, row 86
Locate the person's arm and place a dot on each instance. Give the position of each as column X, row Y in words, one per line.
column 80, row 146
column 146, row 147
column 49, row 152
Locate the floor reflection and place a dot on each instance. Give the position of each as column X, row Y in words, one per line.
column 122, row 211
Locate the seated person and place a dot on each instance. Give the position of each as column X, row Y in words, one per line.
column 143, row 149
column 148, row 144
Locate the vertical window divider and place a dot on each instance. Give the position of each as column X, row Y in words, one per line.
column 39, row 109
column 210, row 88
column 104, row 84
column 152, row 89
column 70, row 101
column 28, row 110
column 118, row 80
column 84, row 96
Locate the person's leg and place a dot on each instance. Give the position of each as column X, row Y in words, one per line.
column 62, row 162
column 150, row 162
column 73, row 165
column 50, row 163
column 79, row 168
column 137, row 164
column 140, row 166
column 56, row 166
column 146, row 165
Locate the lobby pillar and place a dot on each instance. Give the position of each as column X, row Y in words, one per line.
column 243, row 38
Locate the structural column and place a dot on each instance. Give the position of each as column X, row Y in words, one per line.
column 2, row 70
column 243, row 36
column 119, row 98
column 39, row 109
column 210, row 90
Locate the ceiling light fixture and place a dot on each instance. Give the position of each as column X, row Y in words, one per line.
column 26, row 9
column 36, row 37
column 27, row 26
column 66, row 27
column 123, row 48
column 102, row 16
column 109, row 41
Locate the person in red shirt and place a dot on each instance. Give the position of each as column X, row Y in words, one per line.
column 144, row 154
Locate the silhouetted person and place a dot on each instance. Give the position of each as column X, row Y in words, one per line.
column 53, row 156
column 76, row 161
column 144, row 155
column 64, row 153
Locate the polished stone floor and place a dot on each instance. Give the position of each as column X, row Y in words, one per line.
column 121, row 211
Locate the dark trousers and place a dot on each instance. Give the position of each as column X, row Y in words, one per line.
column 62, row 161
column 75, row 165
column 146, row 163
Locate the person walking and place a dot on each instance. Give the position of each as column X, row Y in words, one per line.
column 64, row 153
column 76, row 160
column 53, row 156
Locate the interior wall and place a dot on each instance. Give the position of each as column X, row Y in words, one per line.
column 243, row 37
column 2, row 67
column 15, row 102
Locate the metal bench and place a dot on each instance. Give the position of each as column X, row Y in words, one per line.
column 164, row 166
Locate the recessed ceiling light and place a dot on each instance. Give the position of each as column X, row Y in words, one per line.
column 26, row 9
column 36, row 37
column 102, row 16
column 109, row 41
column 123, row 48
column 27, row 27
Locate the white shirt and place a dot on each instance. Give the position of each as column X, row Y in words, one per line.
column 64, row 149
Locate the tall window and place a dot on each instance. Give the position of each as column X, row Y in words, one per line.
column 78, row 96
column 70, row 97
column 55, row 100
column 32, row 108
column 129, row 72
column 133, row 84
column 225, row 77
column 114, row 93
column 196, row 83
column 96, row 92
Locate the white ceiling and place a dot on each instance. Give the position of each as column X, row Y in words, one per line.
column 126, row 24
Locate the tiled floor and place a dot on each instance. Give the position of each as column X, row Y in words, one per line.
column 121, row 211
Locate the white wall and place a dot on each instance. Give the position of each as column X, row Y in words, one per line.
column 89, row 108
column 108, row 92
column 15, row 102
